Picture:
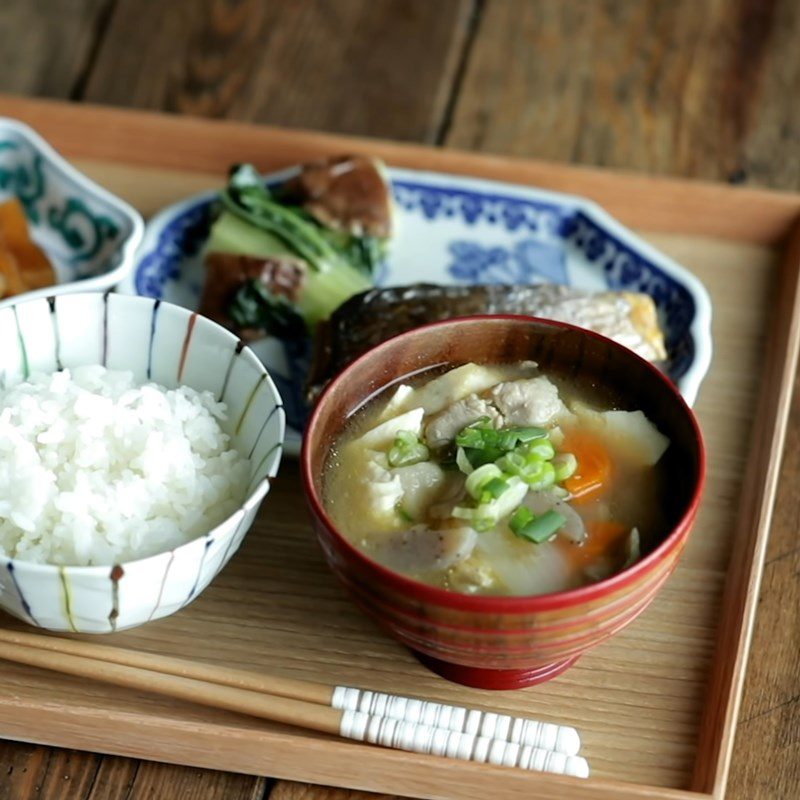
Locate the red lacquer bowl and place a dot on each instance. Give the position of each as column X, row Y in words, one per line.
column 508, row 642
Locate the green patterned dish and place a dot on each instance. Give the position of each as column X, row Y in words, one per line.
column 89, row 235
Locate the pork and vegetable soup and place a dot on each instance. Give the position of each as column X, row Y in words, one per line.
column 498, row 480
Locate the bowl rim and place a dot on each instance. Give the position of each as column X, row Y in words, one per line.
column 127, row 248
column 508, row 603
column 252, row 499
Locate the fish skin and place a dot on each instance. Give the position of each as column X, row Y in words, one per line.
column 373, row 316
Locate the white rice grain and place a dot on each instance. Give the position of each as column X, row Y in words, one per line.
column 95, row 469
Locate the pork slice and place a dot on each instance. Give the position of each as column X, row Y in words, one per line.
column 533, row 401
column 445, row 425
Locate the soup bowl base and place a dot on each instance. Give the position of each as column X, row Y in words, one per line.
column 496, row 679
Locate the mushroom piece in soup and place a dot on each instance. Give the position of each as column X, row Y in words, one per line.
column 497, row 479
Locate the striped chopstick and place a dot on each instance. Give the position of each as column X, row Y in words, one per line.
column 417, row 726
column 515, row 730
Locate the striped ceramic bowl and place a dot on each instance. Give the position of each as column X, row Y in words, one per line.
column 171, row 346
column 507, row 642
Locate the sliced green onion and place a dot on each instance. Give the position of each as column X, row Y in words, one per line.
column 480, row 477
column 531, row 468
column 486, row 515
column 513, row 463
column 537, row 529
column 479, row 457
column 529, row 433
column 520, row 518
column 482, row 437
column 565, row 465
column 545, row 476
column 472, row 434
column 463, row 512
column 403, row 514
column 463, row 462
column 483, row 520
column 544, row 449
column 407, row 450
column 493, row 489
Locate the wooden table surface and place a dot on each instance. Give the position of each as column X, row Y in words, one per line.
column 678, row 87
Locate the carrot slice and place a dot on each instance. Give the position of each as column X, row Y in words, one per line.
column 9, row 270
column 603, row 536
column 35, row 267
column 594, row 466
column 31, row 268
column 13, row 223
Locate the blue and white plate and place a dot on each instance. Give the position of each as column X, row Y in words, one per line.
column 464, row 230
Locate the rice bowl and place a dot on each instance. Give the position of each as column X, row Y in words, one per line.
column 161, row 344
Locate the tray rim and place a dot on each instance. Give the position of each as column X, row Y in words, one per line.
column 654, row 204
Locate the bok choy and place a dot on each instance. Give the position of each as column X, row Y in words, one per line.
column 254, row 222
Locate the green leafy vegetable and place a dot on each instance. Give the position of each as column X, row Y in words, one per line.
column 365, row 253
column 252, row 222
column 254, row 306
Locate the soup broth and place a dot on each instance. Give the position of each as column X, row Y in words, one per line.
column 497, row 479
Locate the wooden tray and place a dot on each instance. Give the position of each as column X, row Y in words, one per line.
column 657, row 705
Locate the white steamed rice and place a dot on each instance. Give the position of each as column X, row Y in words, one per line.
column 96, row 469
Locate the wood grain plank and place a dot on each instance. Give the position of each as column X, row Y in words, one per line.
column 114, row 779
column 645, row 85
column 155, row 780
column 45, row 46
column 290, row 790
column 30, row 772
column 375, row 67
column 23, row 767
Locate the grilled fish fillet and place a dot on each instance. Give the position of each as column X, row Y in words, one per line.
column 369, row 318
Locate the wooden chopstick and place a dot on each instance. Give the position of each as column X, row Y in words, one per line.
column 309, row 691
column 518, row 730
column 249, row 693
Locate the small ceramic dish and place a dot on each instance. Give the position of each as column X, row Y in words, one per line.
column 89, row 235
column 506, row 642
column 453, row 229
column 171, row 346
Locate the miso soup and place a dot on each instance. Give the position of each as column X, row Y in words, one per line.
column 497, row 480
